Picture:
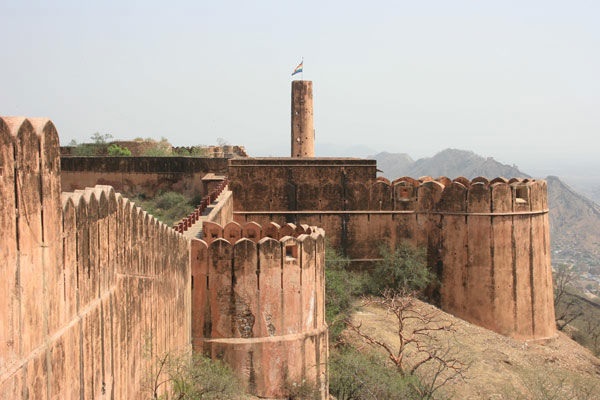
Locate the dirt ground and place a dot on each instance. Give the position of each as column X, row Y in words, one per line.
column 499, row 367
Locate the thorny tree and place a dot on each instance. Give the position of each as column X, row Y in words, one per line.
column 418, row 348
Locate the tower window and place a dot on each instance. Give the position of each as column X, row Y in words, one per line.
column 291, row 251
column 522, row 195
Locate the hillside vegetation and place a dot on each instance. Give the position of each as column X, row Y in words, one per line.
column 374, row 353
column 499, row 367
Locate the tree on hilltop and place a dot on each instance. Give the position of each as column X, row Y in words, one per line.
column 401, row 277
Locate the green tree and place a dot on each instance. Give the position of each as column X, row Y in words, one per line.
column 342, row 287
column 168, row 207
column 404, row 268
column 85, row 150
column 160, row 148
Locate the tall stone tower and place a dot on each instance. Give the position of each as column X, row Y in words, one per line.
column 303, row 132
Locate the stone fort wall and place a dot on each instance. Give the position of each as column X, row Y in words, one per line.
column 93, row 286
column 96, row 289
column 487, row 240
column 140, row 175
column 258, row 303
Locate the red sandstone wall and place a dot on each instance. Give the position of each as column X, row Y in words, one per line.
column 258, row 303
column 279, row 184
column 93, row 285
column 140, row 175
column 488, row 241
column 222, row 213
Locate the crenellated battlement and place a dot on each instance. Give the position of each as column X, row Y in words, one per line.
column 486, row 239
column 92, row 283
column 350, row 185
column 233, row 231
column 94, row 274
column 460, row 195
column 258, row 291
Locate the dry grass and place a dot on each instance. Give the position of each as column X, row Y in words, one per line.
column 500, row 367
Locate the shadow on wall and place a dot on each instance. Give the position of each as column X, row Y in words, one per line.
column 87, row 277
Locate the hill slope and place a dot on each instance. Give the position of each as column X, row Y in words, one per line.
column 574, row 223
column 500, row 367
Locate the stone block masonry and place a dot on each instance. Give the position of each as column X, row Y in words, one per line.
column 258, row 303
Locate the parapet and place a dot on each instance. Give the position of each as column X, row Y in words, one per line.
column 233, row 231
column 460, row 195
column 185, row 223
column 258, row 302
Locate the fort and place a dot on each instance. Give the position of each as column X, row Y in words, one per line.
column 94, row 284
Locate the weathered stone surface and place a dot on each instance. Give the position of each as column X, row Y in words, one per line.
column 94, row 282
column 267, row 308
column 487, row 240
column 140, row 175
column 303, row 131
column 87, row 285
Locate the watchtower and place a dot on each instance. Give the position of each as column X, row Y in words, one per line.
column 303, row 132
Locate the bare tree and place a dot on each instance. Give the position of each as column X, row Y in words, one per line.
column 418, row 348
column 589, row 328
column 566, row 306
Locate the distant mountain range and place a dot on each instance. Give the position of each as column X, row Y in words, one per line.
column 574, row 219
column 450, row 162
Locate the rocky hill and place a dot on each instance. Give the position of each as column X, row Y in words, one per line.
column 449, row 162
column 574, row 219
column 574, row 223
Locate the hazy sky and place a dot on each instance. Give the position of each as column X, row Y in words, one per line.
column 514, row 80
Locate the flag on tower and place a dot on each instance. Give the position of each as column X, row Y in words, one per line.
column 298, row 69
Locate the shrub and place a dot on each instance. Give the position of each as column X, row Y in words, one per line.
column 168, row 200
column 86, row 150
column 354, row 375
column 160, row 148
column 117, row 151
column 341, row 288
column 168, row 207
column 192, row 376
column 302, row 391
column 199, row 377
column 157, row 152
column 404, row 268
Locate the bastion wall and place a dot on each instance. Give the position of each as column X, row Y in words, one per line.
column 258, row 303
column 488, row 241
